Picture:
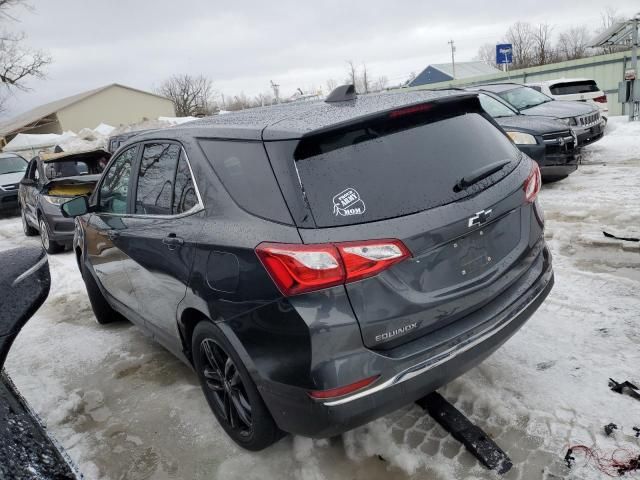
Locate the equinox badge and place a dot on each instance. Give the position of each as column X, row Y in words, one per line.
column 480, row 218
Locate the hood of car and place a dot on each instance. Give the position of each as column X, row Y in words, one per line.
column 535, row 125
column 11, row 178
column 560, row 109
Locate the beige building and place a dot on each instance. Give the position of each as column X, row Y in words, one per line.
column 114, row 105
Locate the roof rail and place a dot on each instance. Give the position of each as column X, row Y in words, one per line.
column 343, row 93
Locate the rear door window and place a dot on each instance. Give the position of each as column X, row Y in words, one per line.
column 156, row 177
column 373, row 172
column 572, row 88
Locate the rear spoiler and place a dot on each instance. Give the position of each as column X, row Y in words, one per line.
column 392, row 120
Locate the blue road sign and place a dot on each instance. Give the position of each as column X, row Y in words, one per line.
column 504, row 53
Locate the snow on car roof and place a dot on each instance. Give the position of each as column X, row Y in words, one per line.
column 293, row 120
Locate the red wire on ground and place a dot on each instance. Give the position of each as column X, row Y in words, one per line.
column 620, row 462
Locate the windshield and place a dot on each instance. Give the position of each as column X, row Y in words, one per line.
column 12, row 165
column 524, row 97
column 74, row 168
column 494, row 107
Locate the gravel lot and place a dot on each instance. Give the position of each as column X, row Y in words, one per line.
column 124, row 408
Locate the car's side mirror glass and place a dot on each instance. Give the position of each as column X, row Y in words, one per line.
column 75, row 207
column 27, row 182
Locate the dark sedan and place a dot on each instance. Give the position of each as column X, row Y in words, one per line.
column 584, row 119
column 546, row 140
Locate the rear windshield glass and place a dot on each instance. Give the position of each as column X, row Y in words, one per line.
column 571, row 88
column 12, row 165
column 374, row 171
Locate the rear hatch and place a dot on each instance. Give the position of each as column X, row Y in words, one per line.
column 398, row 176
column 71, row 186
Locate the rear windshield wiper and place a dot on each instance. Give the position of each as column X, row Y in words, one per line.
column 479, row 174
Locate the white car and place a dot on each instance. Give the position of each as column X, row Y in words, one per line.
column 578, row 89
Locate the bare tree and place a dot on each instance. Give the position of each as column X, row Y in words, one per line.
column 352, row 73
column 487, row 54
column 608, row 17
column 520, row 36
column 366, row 86
column 412, row 77
column 191, row 95
column 574, row 43
column 18, row 63
column 543, row 51
column 331, row 85
column 380, row 83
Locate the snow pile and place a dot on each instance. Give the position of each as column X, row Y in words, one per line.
column 177, row 120
column 34, row 143
column 104, row 129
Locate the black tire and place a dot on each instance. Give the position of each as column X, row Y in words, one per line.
column 28, row 230
column 49, row 245
column 231, row 393
column 101, row 309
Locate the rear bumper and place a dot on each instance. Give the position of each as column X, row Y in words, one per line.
column 9, row 200
column 411, row 377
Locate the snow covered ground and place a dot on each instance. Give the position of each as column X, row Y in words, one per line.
column 124, row 408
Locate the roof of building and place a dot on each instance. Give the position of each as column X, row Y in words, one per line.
column 43, row 111
column 465, row 69
column 293, row 120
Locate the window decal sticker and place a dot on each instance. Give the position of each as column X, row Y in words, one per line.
column 348, row 202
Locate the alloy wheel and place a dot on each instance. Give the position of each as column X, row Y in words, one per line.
column 44, row 234
column 225, row 387
column 25, row 224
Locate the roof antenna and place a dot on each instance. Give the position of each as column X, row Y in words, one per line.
column 343, row 93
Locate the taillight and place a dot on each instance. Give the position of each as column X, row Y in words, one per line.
column 423, row 107
column 532, row 184
column 297, row 268
column 340, row 391
column 601, row 99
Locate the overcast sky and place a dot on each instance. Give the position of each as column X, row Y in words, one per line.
column 242, row 45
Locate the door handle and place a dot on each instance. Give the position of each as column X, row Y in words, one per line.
column 172, row 242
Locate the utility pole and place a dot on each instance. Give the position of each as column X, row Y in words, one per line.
column 276, row 91
column 634, row 104
column 453, row 58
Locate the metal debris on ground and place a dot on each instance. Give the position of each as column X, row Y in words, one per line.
column 475, row 440
column 625, row 387
column 626, row 239
column 616, row 464
column 608, row 429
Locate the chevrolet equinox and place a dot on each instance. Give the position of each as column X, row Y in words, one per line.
column 319, row 265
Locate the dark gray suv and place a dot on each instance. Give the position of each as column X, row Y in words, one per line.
column 320, row 264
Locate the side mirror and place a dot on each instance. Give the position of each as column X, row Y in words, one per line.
column 24, row 284
column 75, row 207
column 27, row 182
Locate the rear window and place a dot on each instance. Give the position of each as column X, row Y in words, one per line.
column 378, row 170
column 571, row 88
column 245, row 172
